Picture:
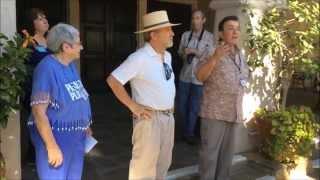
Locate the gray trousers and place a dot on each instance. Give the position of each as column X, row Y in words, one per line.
column 152, row 141
column 217, row 148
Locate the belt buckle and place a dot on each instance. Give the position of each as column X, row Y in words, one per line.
column 167, row 112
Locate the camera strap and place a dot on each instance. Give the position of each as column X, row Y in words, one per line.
column 199, row 39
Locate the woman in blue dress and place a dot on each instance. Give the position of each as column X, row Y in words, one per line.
column 61, row 113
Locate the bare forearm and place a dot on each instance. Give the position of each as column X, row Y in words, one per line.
column 205, row 69
column 198, row 53
column 182, row 53
column 119, row 91
column 43, row 126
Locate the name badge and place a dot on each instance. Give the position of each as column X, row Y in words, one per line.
column 243, row 83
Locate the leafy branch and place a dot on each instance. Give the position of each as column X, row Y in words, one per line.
column 290, row 36
column 12, row 74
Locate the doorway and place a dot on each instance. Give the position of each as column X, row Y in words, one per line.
column 178, row 13
column 107, row 34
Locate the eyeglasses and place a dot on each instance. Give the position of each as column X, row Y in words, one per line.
column 167, row 71
column 79, row 43
column 233, row 29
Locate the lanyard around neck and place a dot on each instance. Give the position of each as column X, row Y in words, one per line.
column 234, row 62
column 199, row 38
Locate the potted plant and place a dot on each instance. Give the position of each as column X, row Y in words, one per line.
column 12, row 74
column 287, row 136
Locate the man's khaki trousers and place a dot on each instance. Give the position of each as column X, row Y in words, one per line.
column 152, row 141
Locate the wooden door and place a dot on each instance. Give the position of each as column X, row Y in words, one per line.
column 55, row 10
column 178, row 13
column 107, row 33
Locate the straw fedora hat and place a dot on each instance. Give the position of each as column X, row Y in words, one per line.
column 155, row 20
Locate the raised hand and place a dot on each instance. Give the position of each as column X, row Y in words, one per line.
column 190, row 51
column 221, row 51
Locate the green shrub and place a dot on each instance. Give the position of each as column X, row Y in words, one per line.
column 12, row 74
column 287, row 134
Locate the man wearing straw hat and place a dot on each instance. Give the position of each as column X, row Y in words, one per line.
column 153, row 91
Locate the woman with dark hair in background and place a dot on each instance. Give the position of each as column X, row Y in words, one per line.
column 37, row 25
column 35, row 33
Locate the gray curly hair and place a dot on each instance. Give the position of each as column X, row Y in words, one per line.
column 59, row 34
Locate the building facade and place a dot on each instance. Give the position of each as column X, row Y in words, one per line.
column 106, row 29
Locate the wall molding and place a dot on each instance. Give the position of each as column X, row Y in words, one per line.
column 259, row 4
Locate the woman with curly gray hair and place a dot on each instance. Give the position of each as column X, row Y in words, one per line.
column 61, row 114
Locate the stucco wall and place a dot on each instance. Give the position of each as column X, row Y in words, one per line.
column 262, row 79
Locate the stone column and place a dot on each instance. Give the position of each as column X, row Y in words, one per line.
column 262, row 79
column 10, row 136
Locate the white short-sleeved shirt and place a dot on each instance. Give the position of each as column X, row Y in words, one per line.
column 145, row 71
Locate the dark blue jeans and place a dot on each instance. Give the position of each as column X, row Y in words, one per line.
column 189, row 97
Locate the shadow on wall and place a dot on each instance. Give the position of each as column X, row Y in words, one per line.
column 260, row 93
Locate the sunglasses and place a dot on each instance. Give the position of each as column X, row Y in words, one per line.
column 79, row 43
column 167, row 71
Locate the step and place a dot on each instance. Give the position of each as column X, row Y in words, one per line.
column 192, row 170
